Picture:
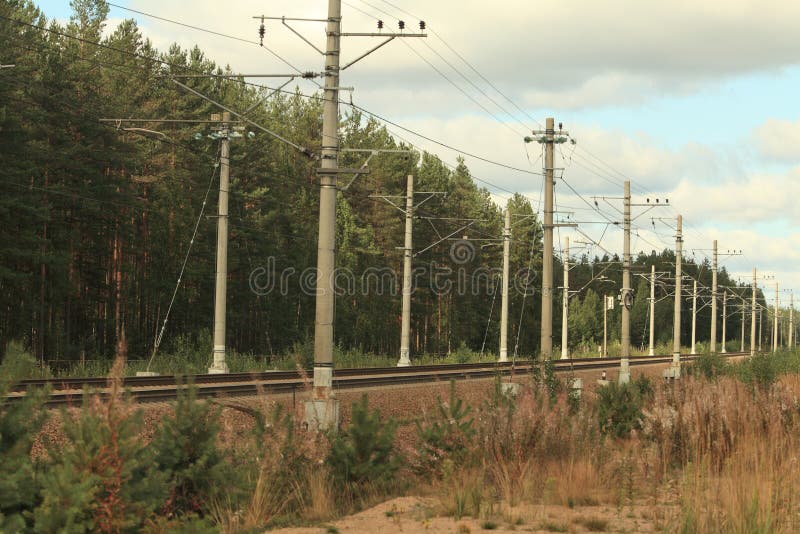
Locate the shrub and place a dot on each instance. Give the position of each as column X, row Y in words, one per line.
column 185, row 451
column 284, row 470
column 544, row 376
column 463, row 354
column 102, row 479
column 763, row 369
column 710, row 365
column 619, row 407
column 364, row 454
column 19, row 423
column 445, row 440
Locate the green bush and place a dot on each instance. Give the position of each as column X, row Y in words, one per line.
column 619, row 407
column 101, row 478
column 463, row 354
column 764, row 370
column 544, row 376
column 364, row 454
column 19, row 423
column 446, row 439
column 710, row 365
column 185, row 452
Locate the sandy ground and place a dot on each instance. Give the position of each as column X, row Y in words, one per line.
column 418, row 515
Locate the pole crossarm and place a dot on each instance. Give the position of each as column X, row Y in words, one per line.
column 371, row 152
column 306, row 75
column 389, row 38
column 445, row 238
column 165, row 121
column 297, row 33
column 277, row 136
column 388, row 199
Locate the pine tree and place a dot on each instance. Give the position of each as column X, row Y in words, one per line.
column 19, row 423
column 102, row 479
column 364, row 453
column 185, row 451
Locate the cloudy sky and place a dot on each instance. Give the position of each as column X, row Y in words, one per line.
column 691, row 101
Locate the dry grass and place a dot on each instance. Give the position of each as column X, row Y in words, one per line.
column 751, row 481
column 712, row 456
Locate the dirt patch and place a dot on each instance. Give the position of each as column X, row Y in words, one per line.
column 412, row 515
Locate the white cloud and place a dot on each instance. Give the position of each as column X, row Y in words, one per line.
column 560, row 54
column 779, row 139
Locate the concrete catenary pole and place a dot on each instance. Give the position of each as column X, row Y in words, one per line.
column 547, row 254
column 694, row 318
column 605, row 326
column 760, row 327
column 652, row 349
column 775, row 322
column 624, row 370
column 712, row 347
column 753, row 317
column 676, row 329
column 408, row 253
column 724, row 321
column 565, row 305
column 506, row 270
column 744, row 317
column 219, row 365
column 324, row 408
column 791, row 320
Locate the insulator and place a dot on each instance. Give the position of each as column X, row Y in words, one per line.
column 422, row 25
column 261, row 32
column 402, row 25
column 380, row 24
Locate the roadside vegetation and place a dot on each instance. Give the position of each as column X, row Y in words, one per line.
column 189, row 355
column 710, row 453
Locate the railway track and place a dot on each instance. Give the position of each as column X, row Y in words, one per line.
column 69, row 391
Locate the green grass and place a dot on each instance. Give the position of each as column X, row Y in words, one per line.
column 192, row 357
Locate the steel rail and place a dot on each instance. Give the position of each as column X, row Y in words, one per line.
column 79, row 383
column 248, row 384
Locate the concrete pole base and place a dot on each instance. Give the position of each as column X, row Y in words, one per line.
column 509, row 389
column 576, row 387
column 404, row 362
column 674, row 371
column 218, row 364
column 219, row 369
column 321, row 415
column 624, row 372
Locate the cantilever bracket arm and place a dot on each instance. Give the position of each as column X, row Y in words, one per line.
column 390, row 37
column 445, row 238
column 368, row 52
column 262, row 100
column 277, row 136
column 297, row 33
column 371, row 152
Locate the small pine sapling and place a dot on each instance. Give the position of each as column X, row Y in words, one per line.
column 364, row 453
